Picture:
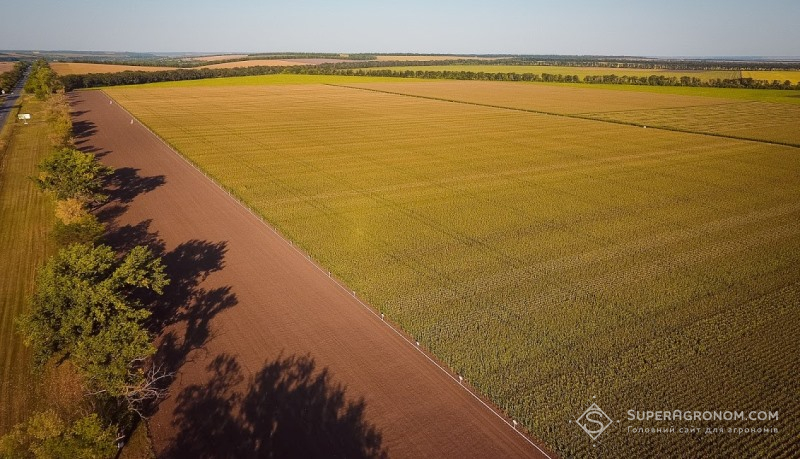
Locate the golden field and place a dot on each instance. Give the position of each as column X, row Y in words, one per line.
column 549, row 259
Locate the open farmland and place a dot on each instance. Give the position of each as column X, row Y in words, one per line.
column 423, row 57
column 757, row 120
column 295, row 363
column 6, row 66
column 218, row 57
column 79, row 68
column 770, row 75
column 750, row 120
column 705, row 75
column 253, row 63
column 549, row 259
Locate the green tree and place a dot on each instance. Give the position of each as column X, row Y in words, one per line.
column 72, row 174
column 84, row 308
column 59, row 121
column 47, row 435
column 86, row 229
column 42, row 81
column 75, row 225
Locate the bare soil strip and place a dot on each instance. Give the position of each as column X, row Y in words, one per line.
column 272, row 355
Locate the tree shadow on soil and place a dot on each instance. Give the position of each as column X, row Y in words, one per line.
column 289, row 408
column 183, row 314
column 82, row 130
column 124, row 238
column 125, row 184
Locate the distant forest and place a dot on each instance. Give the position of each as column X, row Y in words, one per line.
column 606, row 74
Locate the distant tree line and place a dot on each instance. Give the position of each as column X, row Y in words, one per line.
column 652, row 80
column 597, row 61
column 94, row 80
column 71, row 82
column 9, row 79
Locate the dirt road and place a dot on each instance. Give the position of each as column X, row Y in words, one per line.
column 272, row 357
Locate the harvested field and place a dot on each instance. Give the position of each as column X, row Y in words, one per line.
column 274, row 357
column 254, row 63
column 548, row 259
column 77, row 68
column 274, row 80
column 220, row 57
column 317, row 61
column 6, row 66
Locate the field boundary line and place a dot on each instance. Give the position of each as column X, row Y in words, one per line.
column 573, row 116
column 721, row 104
column 450, row 374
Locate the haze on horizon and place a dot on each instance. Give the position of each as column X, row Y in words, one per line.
column 610, row 27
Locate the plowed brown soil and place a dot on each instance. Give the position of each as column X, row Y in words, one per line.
column 272, row 357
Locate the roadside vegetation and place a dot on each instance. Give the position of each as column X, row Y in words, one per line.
column 43, row 81
column 9, row 79
column 84, row 325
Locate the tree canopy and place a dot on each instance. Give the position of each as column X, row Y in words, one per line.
column 72, row 174
column 42, row 81
column 84, row 307
column 47, row 435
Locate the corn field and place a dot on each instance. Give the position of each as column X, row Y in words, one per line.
column 547, row 259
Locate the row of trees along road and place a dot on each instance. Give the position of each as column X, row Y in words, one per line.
column 85, row 311
column 9, row 79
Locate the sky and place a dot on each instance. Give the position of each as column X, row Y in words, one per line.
column 610, row 27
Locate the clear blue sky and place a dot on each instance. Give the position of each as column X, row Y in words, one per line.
column 653, row 28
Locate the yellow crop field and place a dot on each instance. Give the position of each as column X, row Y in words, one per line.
column 751, row 120
column 548, row 259
column 765, row 121
column 771, row 75
column 422, row 57
column 561, row 98
column 705, row 75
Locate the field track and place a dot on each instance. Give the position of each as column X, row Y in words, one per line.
column 270, row 352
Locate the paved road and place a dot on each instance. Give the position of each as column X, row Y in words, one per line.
column 273, row 357
column 9, row 100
